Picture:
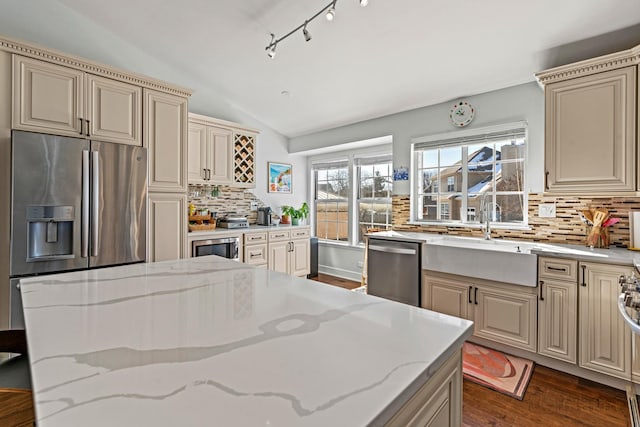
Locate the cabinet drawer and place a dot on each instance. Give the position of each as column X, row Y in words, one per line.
column 255, row 254
column 557, row 268
column 253, row 238
column 300, row 234
column 279, row 235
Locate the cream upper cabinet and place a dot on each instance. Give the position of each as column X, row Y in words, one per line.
column 605, row 340
column 590, row 133
column 221, row 152
column 165, row 136
column 219, row 155
column 54, row 99
column 210, row 154
column 197, row 154
column 114, row 111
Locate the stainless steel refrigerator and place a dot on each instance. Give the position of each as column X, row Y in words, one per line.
column 75, row 204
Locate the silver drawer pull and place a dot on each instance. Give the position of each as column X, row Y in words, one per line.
column 564, row 270
column 255, row 254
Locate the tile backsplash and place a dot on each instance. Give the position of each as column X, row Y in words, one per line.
column 565, row 228
column 230, row 200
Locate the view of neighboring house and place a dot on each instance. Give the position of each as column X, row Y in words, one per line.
column 493, row 175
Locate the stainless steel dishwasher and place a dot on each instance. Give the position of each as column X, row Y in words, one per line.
column 393, row 270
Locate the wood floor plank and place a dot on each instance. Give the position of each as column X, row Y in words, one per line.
column 16, row 409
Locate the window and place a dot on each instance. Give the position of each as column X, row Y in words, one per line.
column 475, row 173
column 375, row 180
column 351, row 195
column 451, row 183
column 332, row 200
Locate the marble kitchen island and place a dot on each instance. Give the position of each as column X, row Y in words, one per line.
column 209, row 341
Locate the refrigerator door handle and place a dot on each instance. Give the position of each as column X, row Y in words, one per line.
column 95, row 205
column 85, row 204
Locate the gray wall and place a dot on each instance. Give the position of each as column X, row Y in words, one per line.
column 522, row 102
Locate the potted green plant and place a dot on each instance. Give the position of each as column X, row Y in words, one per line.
column 299, row 215
column 287, row 213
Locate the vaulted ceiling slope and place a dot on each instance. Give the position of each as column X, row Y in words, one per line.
column 392, row 56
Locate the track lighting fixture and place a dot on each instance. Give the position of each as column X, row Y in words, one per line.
column 305, row 32
column 330, row 14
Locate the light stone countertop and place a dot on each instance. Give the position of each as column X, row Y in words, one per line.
column 209, row 341
column 611, row 255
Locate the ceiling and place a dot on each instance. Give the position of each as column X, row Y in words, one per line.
column 392, row 56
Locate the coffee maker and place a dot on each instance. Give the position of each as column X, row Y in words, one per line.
column 264, row 216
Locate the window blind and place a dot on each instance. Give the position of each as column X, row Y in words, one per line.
column 515, row 133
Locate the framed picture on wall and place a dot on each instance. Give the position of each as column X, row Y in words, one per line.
column 280, row 177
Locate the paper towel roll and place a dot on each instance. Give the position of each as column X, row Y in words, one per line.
column 634, row 230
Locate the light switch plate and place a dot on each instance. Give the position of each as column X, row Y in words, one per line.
column 254, row 205
column 547, row 210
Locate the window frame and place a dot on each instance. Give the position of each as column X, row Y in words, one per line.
column 351, row 156
column 358, row 162
column 457, row 138
column 339, row 163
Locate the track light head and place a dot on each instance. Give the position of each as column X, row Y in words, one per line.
column 271, row 49
column 363, row 3
column 331, row 13
column 305, row 32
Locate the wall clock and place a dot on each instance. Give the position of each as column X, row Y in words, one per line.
column 462, row 113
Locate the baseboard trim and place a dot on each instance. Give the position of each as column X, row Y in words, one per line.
column 356, row 276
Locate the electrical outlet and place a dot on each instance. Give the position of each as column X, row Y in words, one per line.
column 254, row 205
column 547, row 210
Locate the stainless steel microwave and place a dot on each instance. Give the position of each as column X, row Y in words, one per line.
column 227, row 247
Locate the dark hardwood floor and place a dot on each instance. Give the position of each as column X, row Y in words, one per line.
column 552, row 399
column 16, row 409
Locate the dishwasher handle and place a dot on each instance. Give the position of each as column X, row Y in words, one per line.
column 391, row 250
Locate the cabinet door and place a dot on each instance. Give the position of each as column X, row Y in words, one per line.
column 167, row 226
column 47, row 98
column 279, row 257
column 220, row 155
column 300, row 264
column 590, row 132
column 446, row 296
column 197, row 154
column 166, row 138
column 604, row 339
column 114, row 111
column 506, row 317
column 557, row 319
column 255, row 254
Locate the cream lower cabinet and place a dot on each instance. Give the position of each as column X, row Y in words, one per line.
column 289, row 251
column 438, row 403
column 605, row 340
column 167, row 226
column 558, row 308
column 255, row 248
column 54, row 99
column 501, row 312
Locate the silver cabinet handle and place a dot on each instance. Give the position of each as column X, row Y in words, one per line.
column 81, row 126
column 95, row 235
column 88, row 128
column 85, row 204
column 584, row 281
column 391, row 250
column 541, row 292
column 564, row 270
column 204, row 173
column 470, row 289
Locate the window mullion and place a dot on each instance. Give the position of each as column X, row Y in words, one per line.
column 464, row 187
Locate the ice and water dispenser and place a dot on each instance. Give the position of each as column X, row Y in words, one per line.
column 49, row 232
